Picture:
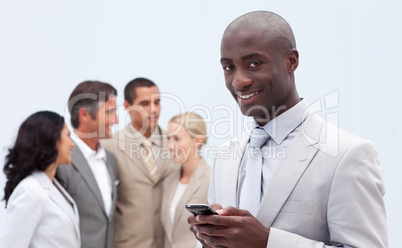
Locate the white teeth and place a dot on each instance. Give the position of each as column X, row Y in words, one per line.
column 248, row 96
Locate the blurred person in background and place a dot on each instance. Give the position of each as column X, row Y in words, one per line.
column 144, row 163
column 186, row 135
column 91, row 180
column 40, row 212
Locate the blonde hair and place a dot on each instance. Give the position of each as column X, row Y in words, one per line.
column 193, row 123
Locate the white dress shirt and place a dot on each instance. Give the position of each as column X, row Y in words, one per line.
column 179, row 192
column 97, row 163
column 281, row 130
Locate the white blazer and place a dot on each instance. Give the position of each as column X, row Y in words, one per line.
column 327, row 192
column 39, row 216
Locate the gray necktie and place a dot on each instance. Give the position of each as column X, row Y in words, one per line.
column 250, row 196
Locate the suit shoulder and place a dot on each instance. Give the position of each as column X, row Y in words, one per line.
column 204, row 165
column 110, row 143
column 330, row 139
column 171, row 178
column 340, row 139
column 238, row 139
column 30, row 187
column 30, row 183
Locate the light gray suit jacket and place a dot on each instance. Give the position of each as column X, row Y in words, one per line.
column 179, row 234
column 38, row 215
column 97, row 229
column 328, row 191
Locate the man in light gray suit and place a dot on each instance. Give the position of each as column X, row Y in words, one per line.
column 296, row 181
column 91, row 180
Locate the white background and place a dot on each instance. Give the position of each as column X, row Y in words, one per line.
column 350, row 47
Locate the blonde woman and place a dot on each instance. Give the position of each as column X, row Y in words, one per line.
column 186, row 133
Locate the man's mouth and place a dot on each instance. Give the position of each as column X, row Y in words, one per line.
column 249, row 95
column 153, row 118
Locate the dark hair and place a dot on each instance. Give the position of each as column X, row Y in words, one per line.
column 34, row 149
column 129, row 90
column 88, row 95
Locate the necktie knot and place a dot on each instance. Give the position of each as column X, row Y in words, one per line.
column 258, row 137
column 147, row 143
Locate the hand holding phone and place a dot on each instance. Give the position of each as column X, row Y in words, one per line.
column 200, row 209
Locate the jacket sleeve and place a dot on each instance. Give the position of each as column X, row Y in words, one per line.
column 23, row 215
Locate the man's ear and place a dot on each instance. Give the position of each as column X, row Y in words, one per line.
column 127, row 105
column 292, row 60
column 83, row 114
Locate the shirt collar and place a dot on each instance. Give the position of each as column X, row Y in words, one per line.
column 284, row 124
column 87, row 151
column 155, row 137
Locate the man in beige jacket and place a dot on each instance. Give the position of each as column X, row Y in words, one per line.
column 144, row 162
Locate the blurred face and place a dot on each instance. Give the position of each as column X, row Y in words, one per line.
column 258, row 72
column 64, row 146
column 106, row 117
column 145, row 109
column 180, row 143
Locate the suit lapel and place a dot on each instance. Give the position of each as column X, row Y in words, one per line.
column 79, row 162
column 299, row 154
column 192, row 187
column 230, row 170
column 56, row 196
column 75, row 215
column 132, row 147
column 112, row 180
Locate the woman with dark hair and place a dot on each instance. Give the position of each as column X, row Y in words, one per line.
column 40, row 213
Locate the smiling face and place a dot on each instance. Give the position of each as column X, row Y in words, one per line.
column 106, row 117
column 181, row 144
column 64, row 146
column 145, row 109
column 258, row 73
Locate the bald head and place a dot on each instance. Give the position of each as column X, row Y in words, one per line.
column 275, row 28
column 259, row 57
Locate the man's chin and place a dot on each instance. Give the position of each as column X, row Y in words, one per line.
column 153, row 125
column 107, row 135
column 257, row 113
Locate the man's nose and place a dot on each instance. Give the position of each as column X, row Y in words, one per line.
column 241, row 79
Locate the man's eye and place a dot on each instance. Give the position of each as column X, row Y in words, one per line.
column 254, row 64
column 228, row 68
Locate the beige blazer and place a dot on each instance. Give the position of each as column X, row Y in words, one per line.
column 137, row 217
column 179, row 234
column 327, row 192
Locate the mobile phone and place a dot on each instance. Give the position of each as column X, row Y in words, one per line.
column 200, row 209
